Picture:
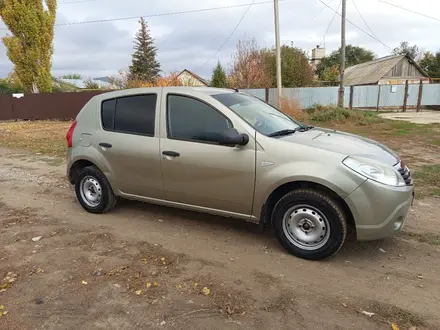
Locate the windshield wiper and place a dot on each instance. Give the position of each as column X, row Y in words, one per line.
column 283, row 132
column 305, row 127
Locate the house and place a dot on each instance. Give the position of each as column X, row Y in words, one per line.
column 189, row 78
column 394, row 69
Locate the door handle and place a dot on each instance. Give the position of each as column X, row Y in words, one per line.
column 170, row 153
column 105, row 145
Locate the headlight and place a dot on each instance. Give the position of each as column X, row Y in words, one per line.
column 376, row 171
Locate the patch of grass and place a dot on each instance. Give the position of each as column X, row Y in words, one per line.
column 329, row 114
column 341, row 115
column 428, row 177
column 436, row 142
column 44, row 137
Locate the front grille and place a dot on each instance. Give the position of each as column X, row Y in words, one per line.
column 405, row 173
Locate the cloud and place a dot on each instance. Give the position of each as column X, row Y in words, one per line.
column 189, row 40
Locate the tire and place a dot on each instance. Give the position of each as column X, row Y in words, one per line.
column 93, row 191
column 309, row 224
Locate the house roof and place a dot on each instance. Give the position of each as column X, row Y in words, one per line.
column 196, row 76
column 81, row 83
column 373, row 71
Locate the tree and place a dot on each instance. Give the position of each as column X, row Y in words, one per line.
column 353, row 54
column 431, row 64
column 406, row 49
column 91, row 84
column 331, row 74
column 9, row 88
column 219, row 77
column 248, row 68
column 295, row 68
column 124, row 80
column 171, row 80
column 144, row 65
column 72, row 76
column 30, row 47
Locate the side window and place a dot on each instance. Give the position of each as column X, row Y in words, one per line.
column 108, row 114
column 191, row 119
column 131, row 114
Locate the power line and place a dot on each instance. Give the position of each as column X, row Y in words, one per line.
column 322, row 9
column 362, row 17
column 160, row 14
column 410, row 10
column 331, row 22
column 356, row 26
column 230, row 35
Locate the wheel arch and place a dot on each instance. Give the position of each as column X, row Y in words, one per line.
column 77, row 166
column 280, row 191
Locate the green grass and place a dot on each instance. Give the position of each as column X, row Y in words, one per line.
column 337, row 115
column 427, row 178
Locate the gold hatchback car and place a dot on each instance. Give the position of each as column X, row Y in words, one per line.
column 227, row 153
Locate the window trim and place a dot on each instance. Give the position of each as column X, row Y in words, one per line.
column 114, row 115
column 167, row 114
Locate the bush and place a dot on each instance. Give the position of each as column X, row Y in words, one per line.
column 342, row 115
column 328, row 114
column 292, row 108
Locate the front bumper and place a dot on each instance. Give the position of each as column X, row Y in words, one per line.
column 379, row 211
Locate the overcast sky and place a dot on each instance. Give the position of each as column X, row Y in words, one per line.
column 187, row 41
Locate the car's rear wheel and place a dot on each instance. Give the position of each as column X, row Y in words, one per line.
column 309, row 224
column 94, row 191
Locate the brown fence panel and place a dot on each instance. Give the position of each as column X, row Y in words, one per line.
column 6, row 108
column 51, row 105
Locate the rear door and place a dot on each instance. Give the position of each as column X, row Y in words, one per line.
column 200, row 173
column 128, row 141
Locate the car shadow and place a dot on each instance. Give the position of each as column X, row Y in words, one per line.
column 177, row 216
column 247, row 231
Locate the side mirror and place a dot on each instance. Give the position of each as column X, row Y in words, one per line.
column 231, row 137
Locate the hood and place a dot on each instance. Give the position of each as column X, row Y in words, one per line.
column 344, row 143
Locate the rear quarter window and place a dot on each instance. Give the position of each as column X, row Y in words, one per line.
column 130, row 114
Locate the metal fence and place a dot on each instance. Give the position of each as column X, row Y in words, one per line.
column 377, row 96
column 67, row 105
column 44, row 105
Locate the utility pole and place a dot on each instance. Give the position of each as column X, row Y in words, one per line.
column 278, row 51
column 342, row 64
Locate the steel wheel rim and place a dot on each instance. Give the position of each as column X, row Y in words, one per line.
column 306, row 227
column 91, row 192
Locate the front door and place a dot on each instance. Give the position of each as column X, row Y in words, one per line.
column 201, row 173
column 129, row 144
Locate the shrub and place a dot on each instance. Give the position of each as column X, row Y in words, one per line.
column 328, row 114
column 342, row 115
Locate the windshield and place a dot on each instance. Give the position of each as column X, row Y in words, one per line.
column 260, row 115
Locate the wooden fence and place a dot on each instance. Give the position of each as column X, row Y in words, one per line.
column 61, row 106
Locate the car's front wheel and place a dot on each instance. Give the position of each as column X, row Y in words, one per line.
column 94, row 191
column 309, row 224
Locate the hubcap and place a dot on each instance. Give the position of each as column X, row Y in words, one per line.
column 306, row 227
column 90, row 190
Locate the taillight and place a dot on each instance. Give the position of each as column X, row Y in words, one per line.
column 69, row 134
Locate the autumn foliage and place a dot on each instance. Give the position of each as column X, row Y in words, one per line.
column 248, row 68
column 125, row 80
column 171, row 80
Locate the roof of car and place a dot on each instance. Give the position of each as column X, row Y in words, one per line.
column 134, row 91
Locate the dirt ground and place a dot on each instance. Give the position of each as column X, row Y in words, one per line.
column 423, row 117
column 148, row 267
